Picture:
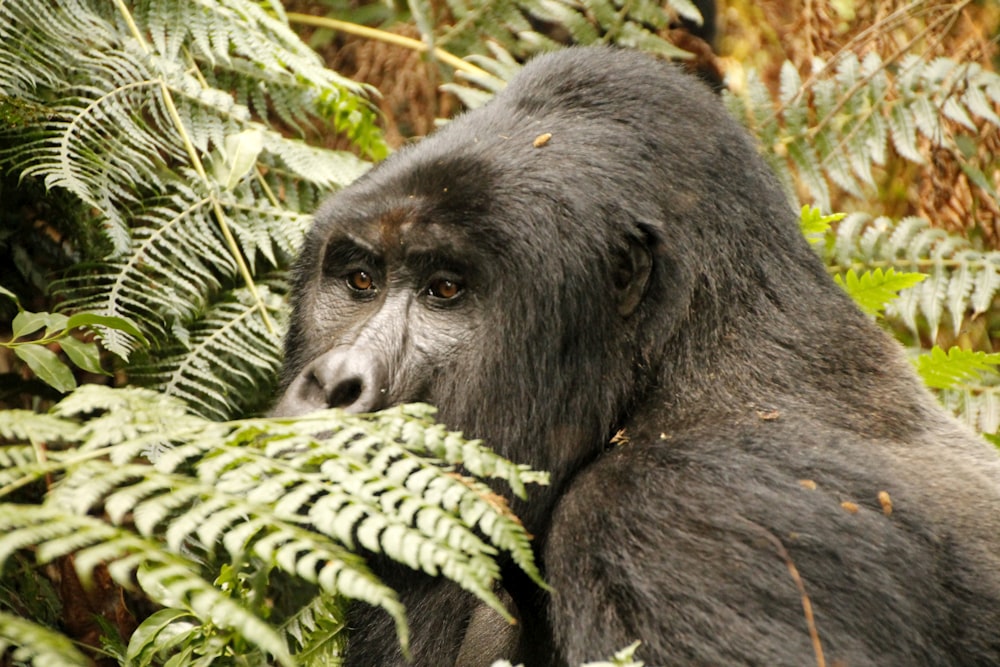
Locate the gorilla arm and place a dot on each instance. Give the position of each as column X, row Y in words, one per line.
column 707, row 550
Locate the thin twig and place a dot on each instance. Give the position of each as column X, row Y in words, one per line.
column 806, row 603
column 389, row 38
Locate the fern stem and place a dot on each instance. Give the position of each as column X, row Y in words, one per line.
column 47, row 466
column 259, row 176
column 919, row 264
column 192, row 152
column 388, row 37
column 220, row 215
column 133, row 28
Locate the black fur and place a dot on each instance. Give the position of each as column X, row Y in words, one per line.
column 641, row 271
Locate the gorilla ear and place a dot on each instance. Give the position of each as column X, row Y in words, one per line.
column 631, row 275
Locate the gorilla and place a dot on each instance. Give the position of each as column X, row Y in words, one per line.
column 597, row 274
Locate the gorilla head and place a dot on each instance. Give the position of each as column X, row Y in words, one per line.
column 500, row 280
column 600, row 250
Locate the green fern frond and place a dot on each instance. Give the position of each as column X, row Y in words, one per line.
column 227, row 359
column 587, row 22
column 317, row 629
column 943, row 370
column 28, row 426
column 622, row 658
column 298, row 496
column 978, row 404
column 873, row 290
column 814, row 225
column 33, row 644
column 496, row 35
column 961, row 282
column 833, row 127
column 168, row 579
column 160, row 125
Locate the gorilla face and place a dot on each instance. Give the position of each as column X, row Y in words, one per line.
column 397, row 301
column 461, row 282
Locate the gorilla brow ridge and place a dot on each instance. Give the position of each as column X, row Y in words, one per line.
column 347, row 252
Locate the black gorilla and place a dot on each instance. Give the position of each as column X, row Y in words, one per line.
column 601, row 251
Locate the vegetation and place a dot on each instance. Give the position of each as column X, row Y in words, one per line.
column 158, row 164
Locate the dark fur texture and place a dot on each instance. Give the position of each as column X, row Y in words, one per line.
column 642, row 271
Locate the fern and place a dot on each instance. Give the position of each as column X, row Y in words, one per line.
column 264, row 494
column 587, row 22
column 37, row 645
column 961, row 282
column 230, row 334
column 952, row 284
column 497, row 35
column 622, row 658
column 969, row 384
column 834, row 127
column 317, row 630
column 814, row 225
column 943, row 370
column 873, row 290
column 158, row 119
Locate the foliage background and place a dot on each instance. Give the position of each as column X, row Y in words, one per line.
column 158, row 163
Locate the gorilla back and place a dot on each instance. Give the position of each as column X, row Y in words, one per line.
column 600, row 251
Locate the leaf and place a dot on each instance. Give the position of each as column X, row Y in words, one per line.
column 805, row 159
column 110, row 321
column 942, row 370
column 26, row 322
column 954, row 111
column 688, row 10
column 6, row 292
column 978, row 178
column 790, row 83
column 874, row 289
column 814, row 224
column 241, row 151
column 47, row 365
column 147, row 638
column 84, row 354
column 903, row 133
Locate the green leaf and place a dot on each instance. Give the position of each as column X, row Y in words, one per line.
column 814, row 224
column 55, row 324
column 874, row 289
column 6, row 292
column 47, row 365
column 241, row 154
column 84, row 354
column 26, row 322
column 147, row 638
column 110, row 321
column 978, row 177
column 942, row 370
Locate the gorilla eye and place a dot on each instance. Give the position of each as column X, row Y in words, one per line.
column 360, row 281
column 442, row 288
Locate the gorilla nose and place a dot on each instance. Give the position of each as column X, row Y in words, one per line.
column 341, row 378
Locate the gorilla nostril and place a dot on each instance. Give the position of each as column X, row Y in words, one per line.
column 345, row 393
